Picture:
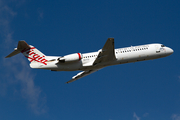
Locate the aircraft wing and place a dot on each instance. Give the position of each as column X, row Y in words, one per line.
column 81, row 74
column 106, row 54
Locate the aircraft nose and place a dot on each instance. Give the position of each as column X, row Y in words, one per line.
column 169, row 51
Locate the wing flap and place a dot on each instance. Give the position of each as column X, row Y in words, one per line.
column 81, row 75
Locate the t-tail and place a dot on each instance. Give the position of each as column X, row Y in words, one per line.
column 30, row 52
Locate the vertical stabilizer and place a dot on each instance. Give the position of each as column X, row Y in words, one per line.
column 30, row 52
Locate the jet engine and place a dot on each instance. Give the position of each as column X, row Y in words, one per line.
column 70, row 58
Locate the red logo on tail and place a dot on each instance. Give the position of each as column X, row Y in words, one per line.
column 32, row 56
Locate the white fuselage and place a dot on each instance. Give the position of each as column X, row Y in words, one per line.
column 123, row 55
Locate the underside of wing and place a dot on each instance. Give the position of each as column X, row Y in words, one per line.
column 107, row 53
column 81, row 74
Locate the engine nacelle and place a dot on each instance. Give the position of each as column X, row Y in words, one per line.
column 70, row 58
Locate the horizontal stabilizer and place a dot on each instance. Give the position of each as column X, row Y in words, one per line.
column 15, row 52
column 21, row 46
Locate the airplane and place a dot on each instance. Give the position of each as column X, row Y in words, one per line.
column 91, row 62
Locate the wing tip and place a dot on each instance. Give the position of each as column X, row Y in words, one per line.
column 69, row 81
column 66, row 82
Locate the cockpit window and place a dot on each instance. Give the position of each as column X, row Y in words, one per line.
column 162, row 46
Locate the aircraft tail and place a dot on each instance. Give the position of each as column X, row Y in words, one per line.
column 30, row 52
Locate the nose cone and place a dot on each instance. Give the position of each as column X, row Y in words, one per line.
column 169, row 51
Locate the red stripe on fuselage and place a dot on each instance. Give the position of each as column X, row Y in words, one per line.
column 79, row 56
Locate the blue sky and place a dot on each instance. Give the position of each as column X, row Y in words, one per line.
column 148, row 90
